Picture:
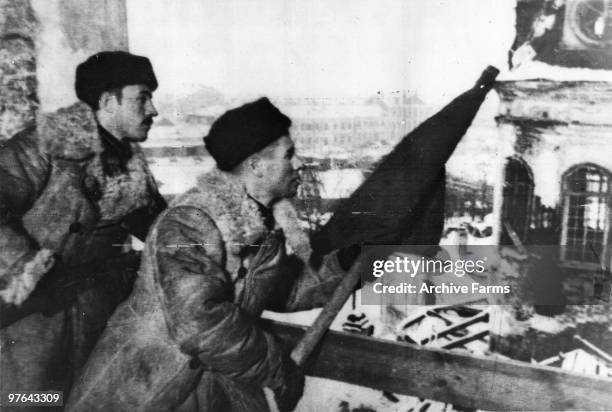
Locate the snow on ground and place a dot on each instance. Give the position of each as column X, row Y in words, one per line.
column 545, row 324
column 175, row 175
column 475, row 158
column 340, row 183
column 375, row 151
column 324, row 395
column 539, row 70
column 181, row 134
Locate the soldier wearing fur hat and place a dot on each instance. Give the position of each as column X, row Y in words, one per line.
column 72, row 190
column 215, row 259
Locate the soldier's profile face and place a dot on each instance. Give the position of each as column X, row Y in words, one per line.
column 281, row 169
column 135, row 112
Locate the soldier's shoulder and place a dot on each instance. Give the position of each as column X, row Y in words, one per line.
column 186, row 221
column 24, row 139
column 23, row 149
column 189, row 207
column 195, row 196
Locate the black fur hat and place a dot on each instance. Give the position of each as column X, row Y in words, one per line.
column 109, row 70
column 245, row 130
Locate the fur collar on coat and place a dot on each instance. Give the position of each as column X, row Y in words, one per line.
column 69, row 133
column 237, row 215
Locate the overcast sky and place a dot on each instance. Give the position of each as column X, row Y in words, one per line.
column 329, row 48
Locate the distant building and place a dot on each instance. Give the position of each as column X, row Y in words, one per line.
column 319, row 123
column 206, row 115
column 339, row 125
column 403, row 112
column 339, row 183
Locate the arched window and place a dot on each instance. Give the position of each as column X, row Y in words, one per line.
column 586, row 214
column 518, row 196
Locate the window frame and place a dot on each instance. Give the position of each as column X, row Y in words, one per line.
column 566, row 194
column 526, row 186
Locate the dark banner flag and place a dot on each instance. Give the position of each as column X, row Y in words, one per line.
column 402, row 201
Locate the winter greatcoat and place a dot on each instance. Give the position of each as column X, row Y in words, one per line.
column 59, row 208
column 210, row 267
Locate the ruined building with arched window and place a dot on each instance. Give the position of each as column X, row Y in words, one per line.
column 554, row 178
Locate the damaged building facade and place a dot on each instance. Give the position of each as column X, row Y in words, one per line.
column 556, row 189
column 554, row 175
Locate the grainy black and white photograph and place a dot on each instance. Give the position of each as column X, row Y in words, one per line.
column 305, row 205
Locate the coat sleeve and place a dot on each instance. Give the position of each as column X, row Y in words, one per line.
column 197, row 296
column 23, row 174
